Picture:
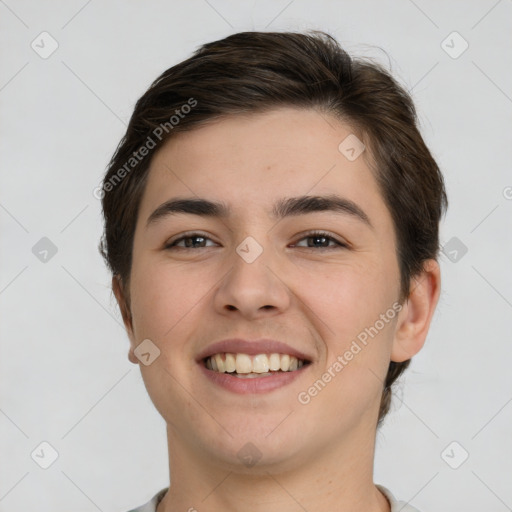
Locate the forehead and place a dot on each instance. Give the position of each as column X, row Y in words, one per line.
column 251, row 161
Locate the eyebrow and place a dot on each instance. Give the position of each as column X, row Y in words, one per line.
column 286, row 207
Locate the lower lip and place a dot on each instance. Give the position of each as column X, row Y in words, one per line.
column 252, row 385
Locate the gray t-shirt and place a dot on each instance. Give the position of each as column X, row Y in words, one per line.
column 396, row 506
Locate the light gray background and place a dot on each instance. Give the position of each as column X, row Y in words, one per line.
column 65, row 376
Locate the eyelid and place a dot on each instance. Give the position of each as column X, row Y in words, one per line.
column 323, row 233
column 187, row 234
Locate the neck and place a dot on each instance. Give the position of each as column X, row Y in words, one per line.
column 336, row 478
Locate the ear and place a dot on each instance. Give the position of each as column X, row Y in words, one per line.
column 414, row 318
column 119, row 292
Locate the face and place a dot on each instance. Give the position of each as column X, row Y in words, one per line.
column 322, row 280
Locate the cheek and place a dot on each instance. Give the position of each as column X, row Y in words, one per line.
column 349, row 298
column 162, row 296
column 355, row 317
column 163, row 307
column 356, row 312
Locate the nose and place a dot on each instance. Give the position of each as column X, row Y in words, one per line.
column 253, row 288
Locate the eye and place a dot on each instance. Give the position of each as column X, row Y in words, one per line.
column 323, row 239
column 320, row 240
column 191, row 240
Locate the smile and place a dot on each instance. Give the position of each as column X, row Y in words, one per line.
column 247, row 366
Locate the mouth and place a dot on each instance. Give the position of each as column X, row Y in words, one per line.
column 245, row 366
column 258, row 366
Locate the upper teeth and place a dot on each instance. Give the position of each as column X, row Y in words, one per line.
column 261, row 363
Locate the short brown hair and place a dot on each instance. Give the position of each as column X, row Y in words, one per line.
column 251, row 72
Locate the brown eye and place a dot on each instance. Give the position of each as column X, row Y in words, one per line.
column 191, row 241
column 321, row 240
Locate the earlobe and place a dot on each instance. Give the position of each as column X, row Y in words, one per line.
column 131, row 356
column 414, row 319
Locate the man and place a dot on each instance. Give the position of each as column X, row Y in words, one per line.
column 271, row 224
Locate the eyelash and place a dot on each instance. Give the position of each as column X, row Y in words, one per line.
column 312, row 234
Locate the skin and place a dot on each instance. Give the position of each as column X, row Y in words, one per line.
column 318, row 455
